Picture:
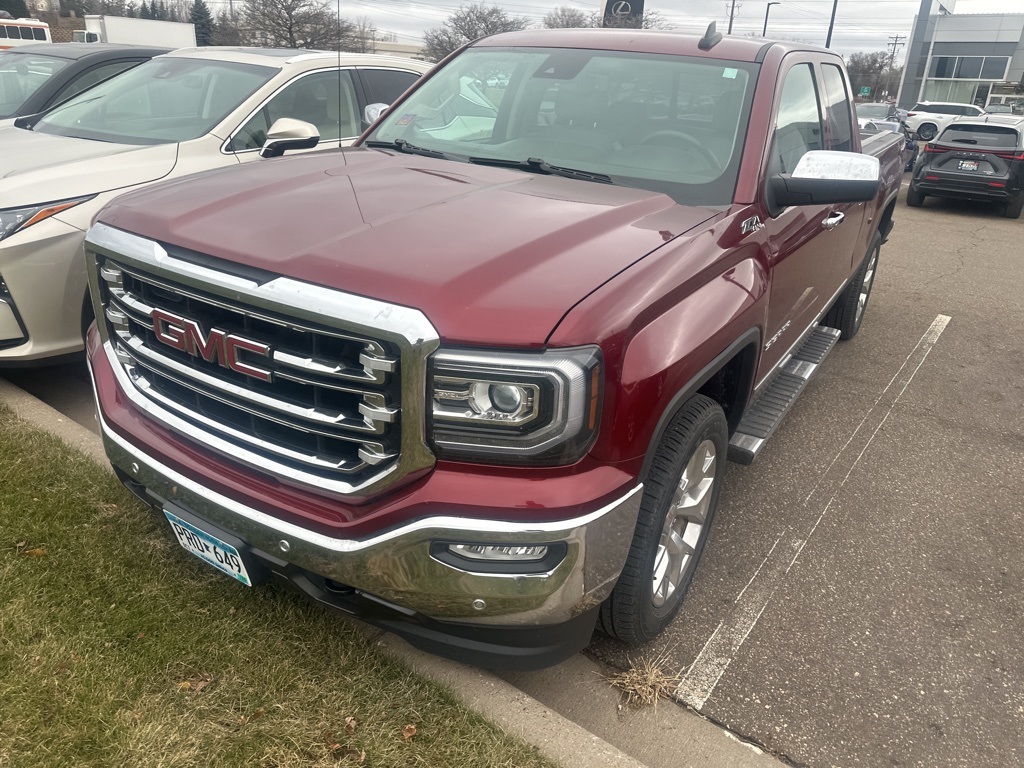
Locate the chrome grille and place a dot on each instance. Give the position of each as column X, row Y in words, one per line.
column 316, row 398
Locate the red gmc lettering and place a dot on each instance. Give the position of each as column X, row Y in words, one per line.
column 219, row 347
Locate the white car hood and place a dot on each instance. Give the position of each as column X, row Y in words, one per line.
column 39, row 167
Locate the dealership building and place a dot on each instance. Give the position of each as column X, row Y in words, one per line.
column 968, row 58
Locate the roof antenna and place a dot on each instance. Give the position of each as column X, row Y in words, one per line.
column 710, row 39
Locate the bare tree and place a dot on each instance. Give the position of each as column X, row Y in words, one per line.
column 567, row 17
column 296, row 24
column 364, row 36
column 467, row 24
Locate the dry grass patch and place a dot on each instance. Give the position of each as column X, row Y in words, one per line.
column 645, row 682
column 117, row 648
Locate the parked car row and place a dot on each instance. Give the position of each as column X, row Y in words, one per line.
column 178, row 113
column 974, row 158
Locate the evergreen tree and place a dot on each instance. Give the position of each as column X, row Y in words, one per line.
column 129, row 9
column 16, row 8
column 199, row 14
column 225, row 31
column 144, row 11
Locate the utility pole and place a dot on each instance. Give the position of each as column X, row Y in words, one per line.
column 732, row 13
column 831, row 23
column 892, row 58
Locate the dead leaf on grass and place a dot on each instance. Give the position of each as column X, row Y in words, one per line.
column 246, row 719
column 408, row 732
column 35, row 552
column 195, row 684
column 357, row 756
column 350, row 724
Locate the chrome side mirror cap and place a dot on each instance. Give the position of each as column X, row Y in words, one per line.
column 371, row 112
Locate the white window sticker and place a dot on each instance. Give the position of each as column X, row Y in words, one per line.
column 730, row 73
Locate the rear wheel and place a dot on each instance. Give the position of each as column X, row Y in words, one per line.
column 848, row 312
column 914, row 198
column 927, row 131
column 1014, row 209
column 680, row 494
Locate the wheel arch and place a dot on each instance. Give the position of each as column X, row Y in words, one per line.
column 728, row 380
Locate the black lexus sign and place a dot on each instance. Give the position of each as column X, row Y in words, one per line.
column 623, row 13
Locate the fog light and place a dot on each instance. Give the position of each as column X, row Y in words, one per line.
column 499, row 554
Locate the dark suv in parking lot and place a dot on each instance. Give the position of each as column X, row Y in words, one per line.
column 975, row 158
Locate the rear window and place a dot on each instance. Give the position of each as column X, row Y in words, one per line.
column 996, row 136
column 940, row 109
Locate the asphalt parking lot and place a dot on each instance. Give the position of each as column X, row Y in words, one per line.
column 859, row 601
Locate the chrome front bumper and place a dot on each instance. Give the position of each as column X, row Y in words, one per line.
column 397, row 566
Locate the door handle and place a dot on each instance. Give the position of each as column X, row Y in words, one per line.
column 833, row 220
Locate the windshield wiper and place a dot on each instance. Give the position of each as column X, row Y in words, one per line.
column 537, row 165
column 404, row 146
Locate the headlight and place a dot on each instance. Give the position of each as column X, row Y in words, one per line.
column 15, row 219
column 515, row 407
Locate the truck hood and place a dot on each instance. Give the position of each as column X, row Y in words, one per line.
column 492, row 256
column 40, row 167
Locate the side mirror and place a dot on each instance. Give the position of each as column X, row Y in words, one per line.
column 823, row 177
column 288, row 133
column 371, row 112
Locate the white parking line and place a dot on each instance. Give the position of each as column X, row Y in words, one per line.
column 714, row 658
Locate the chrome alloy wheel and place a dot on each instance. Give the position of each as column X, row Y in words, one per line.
column 865, row 286
column 684, row 523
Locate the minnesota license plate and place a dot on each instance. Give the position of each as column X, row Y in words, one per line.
column 217, row 553
column 968, row 165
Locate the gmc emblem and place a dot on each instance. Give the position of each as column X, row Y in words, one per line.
column 217, row 347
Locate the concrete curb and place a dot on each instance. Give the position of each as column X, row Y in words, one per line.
column 520, row 715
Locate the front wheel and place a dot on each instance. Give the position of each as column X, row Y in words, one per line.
column 848, row 312
column 680, row 494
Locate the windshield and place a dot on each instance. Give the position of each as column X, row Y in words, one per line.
column 158, row 102
column 670, row 124
column 21, row 75
column 872, row 110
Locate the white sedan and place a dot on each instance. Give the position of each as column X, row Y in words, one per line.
column 184, row 112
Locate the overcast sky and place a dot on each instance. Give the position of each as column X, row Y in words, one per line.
column 861, row 25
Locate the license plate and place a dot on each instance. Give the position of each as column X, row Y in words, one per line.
column 217, row 553
column 968, row 165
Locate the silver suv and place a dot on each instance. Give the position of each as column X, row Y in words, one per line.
column 928, row 118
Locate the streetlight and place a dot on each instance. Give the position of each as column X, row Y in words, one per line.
column 764, row 32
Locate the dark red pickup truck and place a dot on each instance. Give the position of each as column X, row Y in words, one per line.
column 476, row 379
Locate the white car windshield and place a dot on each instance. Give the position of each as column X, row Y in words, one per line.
column 161, row 101
column 21, row 75
column 671, row 124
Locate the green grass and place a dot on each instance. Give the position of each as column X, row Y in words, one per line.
column 117, row 648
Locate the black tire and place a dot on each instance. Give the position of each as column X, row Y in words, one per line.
column 636, row 612
column 1015, row 208
column 848, row 312
column 914, row 198
column 927, row 131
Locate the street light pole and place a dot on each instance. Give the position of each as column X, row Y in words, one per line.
column 831, row 23
column 764, row 32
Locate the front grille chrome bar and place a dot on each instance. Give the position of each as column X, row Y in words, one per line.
column 312, row 385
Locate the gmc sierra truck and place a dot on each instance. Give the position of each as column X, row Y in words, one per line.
column 475, row 380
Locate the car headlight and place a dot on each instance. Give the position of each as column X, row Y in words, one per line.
column 515, row 407
column 16, row 219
